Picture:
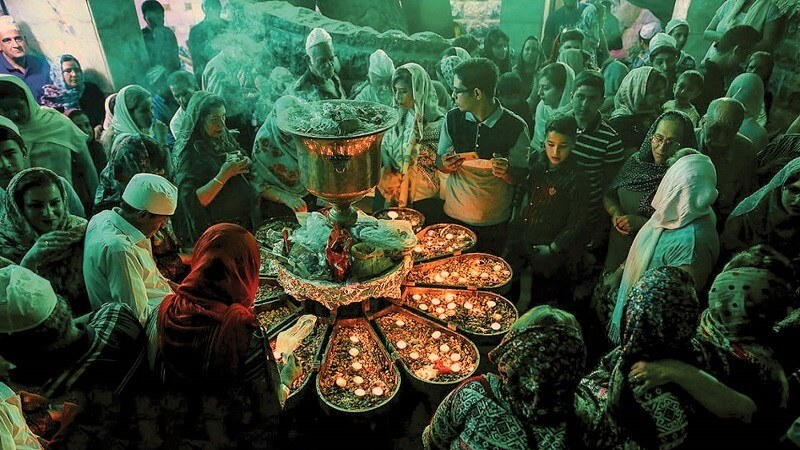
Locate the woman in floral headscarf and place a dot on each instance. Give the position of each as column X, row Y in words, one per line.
column 408, row 150
column 636, row 104
column 733, row 343
column 645, row 393
column 71, row 91
column 556, row 82
column 47, row 240
column 628, row 199
column 529, row 404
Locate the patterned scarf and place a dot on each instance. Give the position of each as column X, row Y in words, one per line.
column 17, row 236
column 640, row 173
column 58, row 95
column 275, row 153
column 540, row 367
column 631, row 93
column 660, row 320
column 743, row 305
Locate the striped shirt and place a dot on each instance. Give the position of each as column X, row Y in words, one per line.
column 600, row 155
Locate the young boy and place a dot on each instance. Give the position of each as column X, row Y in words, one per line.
column 686, row 90
column 679, row 29
column 553, row 219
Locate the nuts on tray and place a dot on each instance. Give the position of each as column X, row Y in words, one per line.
column 479, row 270
column 441, row 240
column 305, row 353
column 272, row 317
column 475, row 312
column 414, row 217
column 351, row 386
column 267, row 293
column 429, row 351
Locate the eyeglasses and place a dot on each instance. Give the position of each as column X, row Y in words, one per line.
column 667, row 143
column 457, row 91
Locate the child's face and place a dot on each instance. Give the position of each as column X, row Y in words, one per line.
column 558, row 147
column 681, row 34
column 685, row 91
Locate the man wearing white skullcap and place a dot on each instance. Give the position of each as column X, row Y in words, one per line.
column 646, row 33
column 51, row 351
column 664, row 56
column 320, row 81
column 15, row 60
column 118, row 263
column 679, row 29
column 378, row 87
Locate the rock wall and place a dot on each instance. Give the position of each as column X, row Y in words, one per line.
column 477, row 17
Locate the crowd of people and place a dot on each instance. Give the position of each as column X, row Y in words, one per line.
column 652, row 222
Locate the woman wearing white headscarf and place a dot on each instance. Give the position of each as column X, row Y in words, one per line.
column 51, row 138
column 748, row 88
column 275, row 164
column 637, row 104
column 131, row 145
column 556, row 82
column 681, row 232
column 408, row 150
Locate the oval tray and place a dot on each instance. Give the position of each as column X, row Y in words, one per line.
column 310, row 366
column 457, row 316
column 433, row 234
column 272, row 325
column 424, row 344
column 462, row 271
column 339, row 342
column 404, row 214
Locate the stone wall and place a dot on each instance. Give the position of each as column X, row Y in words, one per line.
column 477, row 17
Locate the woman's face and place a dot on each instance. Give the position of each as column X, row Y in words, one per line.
column 790, row 198
column 43, row 207
column 403, row 95
column 666, row 140
column 73, row 75
column 142, row 113
column 14, row 104
column 214, row 122
column 529, row 51
column 550, row 95
column 558, row 147
column 500, row 49
column 655, row 96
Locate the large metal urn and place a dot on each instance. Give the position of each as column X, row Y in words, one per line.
column 339, row 168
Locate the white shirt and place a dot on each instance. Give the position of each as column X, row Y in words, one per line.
column 177, row 120
column 118, row 266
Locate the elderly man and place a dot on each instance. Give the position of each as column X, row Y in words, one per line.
column 118, row 263
column 182, row 86
column 378, row 87
column 33, row 70
column 484, row 148
column 320, row 81
column 732, row 154
column 55, row 354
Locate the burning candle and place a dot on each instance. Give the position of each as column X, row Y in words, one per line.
column 449, row 236
column 341, row 382
column 353, row 351
column 451, row 305
column 444, row 348
column 354, row 339
column 393, row 215
column 423, row 306
column 484, row 275
column 357, row 379
column 433, row 357
column 399, row 323
column 443, row 316
column 438, row 278
column 497, row 267
column 440, row 310
column 444, row 274
column 491, row 303
column 467, row 305
column 414, row 355
column 455, row 357
column 377, row 391
column 401, row 344
column 449, row 296
column 357, row 366
column 435, row 301
column 455, row 367
column 416, row 297
column 436, row 334
column 497, row 316
column 495, row 326
column 360, row 392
